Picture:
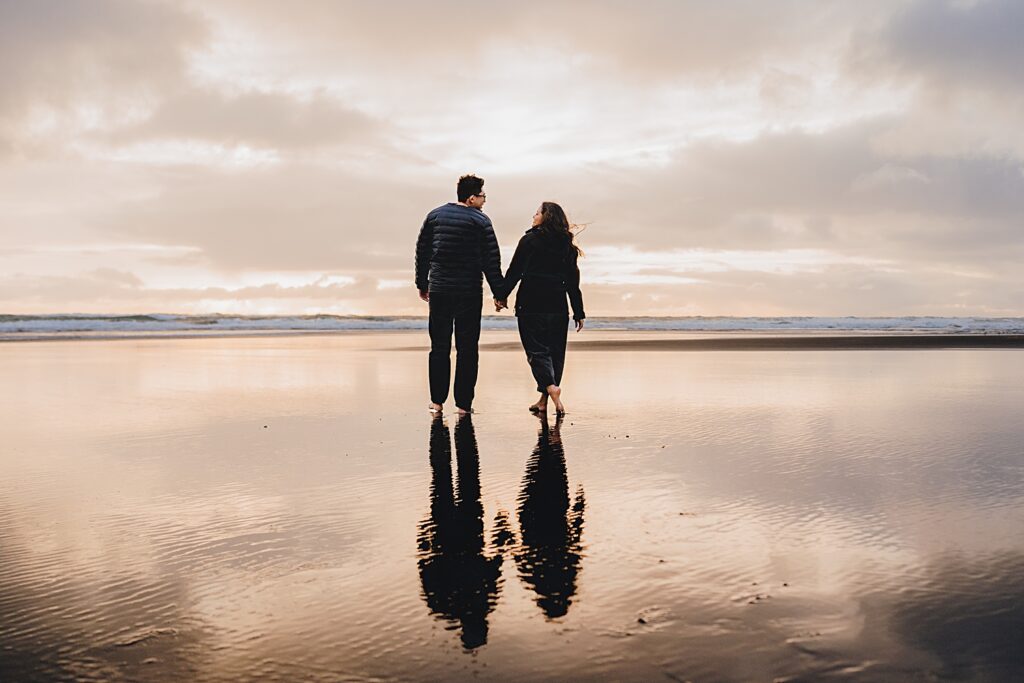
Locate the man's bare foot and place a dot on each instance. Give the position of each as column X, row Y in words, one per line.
column 465, row 411
column 435, row 408
column 556, row 396
column 540, row 406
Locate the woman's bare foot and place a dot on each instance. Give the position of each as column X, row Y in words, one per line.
column 556, row 396
column 540, row 406
column 435, row 408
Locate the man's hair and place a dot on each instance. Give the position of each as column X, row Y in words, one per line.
column 469, row 185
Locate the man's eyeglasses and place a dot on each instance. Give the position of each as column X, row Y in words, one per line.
column 481, row 195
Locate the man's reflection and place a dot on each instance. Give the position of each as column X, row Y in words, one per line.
column 460, row 581
column 548, row 557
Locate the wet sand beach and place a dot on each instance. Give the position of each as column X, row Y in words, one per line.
column 284, row 508
column 784, row 342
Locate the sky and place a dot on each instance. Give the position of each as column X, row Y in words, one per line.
column 735, row 157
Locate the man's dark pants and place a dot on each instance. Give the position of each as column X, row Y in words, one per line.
column 463, row 312
column 544, row 338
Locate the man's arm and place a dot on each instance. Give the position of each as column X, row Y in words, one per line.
column 491, row 257
column 424, row 249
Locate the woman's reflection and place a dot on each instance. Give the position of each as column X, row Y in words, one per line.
column 548, row 557
column 460, row 580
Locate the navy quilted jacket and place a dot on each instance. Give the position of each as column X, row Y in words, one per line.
column 456, row 244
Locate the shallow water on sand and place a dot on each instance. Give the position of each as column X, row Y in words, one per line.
column 286, row 509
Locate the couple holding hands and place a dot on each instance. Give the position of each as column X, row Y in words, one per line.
column 455, row 249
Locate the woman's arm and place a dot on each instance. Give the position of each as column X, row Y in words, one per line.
column 515, row 268
column 572, row 288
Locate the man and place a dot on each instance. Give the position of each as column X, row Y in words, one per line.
column 455, row 245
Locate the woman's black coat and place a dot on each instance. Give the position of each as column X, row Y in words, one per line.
column 547, row 266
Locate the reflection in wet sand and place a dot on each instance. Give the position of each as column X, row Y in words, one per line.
column 968, row 612
column 460, row 573
column 549, row 555
column 460, row 579
column 264, row 509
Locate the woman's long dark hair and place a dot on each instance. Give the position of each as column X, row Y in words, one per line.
column 554, row 225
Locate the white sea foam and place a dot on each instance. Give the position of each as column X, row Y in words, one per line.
column 36, row 326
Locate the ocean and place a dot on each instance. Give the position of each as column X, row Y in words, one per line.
column 21, row 327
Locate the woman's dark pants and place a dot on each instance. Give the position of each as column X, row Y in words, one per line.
column 544, row 338
column 463, row 312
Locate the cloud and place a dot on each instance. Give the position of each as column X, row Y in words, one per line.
column 961, row 63
column 829, row 195
column 833, row 290
column 116, row 73
column 691, row 40
column 118, row 278
column 874, row 231
column 257, row 119
column 838, row 288
column 800, row 190
column 109, row 291
column 972, row 45
column 23, row 292
column 297, row 217
column 59, row 52
column 662, row 38
column 256, row 145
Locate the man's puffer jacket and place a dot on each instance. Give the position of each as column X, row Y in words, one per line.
column 455, row 245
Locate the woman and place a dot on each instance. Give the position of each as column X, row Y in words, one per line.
column 545, row 261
